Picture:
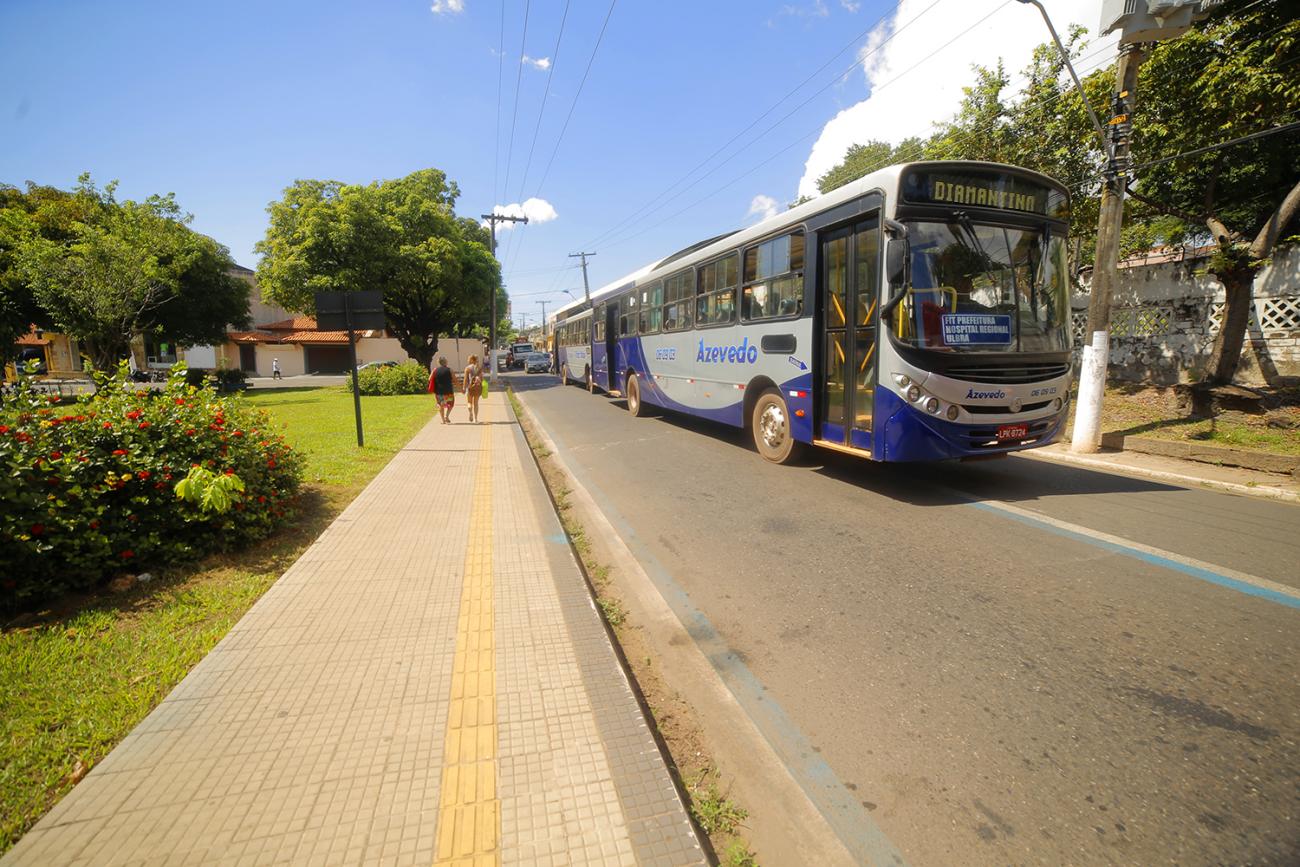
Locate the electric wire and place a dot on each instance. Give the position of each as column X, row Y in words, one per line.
column 614, row 230
column 519, row 75
column 555, row 59
column 864, row 34
column 611, row 242
column 496, row 151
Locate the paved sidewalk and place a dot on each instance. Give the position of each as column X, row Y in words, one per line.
column 429, row 684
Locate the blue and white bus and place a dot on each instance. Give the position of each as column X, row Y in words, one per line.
column 919, row 313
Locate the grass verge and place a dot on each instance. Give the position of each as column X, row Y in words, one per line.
column 1159, row 413
column 77, row 677
column 707, row 796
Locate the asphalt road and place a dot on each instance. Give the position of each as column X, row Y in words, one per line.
column 986, row 687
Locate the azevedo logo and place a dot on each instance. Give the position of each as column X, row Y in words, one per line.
column 985, row 395
column 742, row 354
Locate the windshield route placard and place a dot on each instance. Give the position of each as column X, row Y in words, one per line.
column 976, row 329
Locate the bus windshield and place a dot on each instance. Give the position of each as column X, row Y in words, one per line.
column 983, row 288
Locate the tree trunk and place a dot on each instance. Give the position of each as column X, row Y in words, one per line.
column 1224, row 357
column 105, row 354
column 423, row 351
column 1236, row 267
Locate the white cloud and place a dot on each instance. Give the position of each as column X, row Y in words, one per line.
column 764, row 206
column 850, row 5
column 932, row 91
column 542, row 63
column 536, row 210
column 816, row 10
column 442, row 7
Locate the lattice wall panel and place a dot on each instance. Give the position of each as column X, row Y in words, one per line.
column 1279, row 314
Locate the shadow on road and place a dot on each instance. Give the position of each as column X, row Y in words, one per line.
column 532, row 381
column 1011, row 479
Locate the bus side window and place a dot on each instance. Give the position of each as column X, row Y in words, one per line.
column 716, row 285
column 774, row 278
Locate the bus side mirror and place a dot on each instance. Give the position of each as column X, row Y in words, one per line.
column 896, row 261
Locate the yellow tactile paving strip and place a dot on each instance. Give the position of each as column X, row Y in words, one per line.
column 469, row 811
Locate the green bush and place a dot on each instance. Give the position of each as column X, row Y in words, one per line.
column 88, row 489
column 408, row 378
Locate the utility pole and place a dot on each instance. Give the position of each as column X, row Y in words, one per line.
column 1105, row 270
column 492, row 220
column 586, row 289
column 543, row 303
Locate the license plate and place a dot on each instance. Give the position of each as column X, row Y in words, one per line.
column 1013, row 432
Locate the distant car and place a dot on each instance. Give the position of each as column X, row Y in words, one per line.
column 537, row 362
column 373, row 364
column 518, row 354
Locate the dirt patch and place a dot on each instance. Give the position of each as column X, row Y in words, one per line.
column 1166, row 413
column 718, row 818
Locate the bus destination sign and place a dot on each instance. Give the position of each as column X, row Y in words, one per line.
column 976, row 189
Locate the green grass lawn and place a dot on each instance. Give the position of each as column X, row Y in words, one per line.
column 76, row 678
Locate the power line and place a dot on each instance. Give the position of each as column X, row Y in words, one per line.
column 876, row 89
column 769, row 110
column 513, row 246
column 496, row 151
column 555, row 59
column 518, row 79
column 574, row 104
column 646, row 209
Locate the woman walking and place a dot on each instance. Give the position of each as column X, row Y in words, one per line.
column 473, row 386
column 443, row 388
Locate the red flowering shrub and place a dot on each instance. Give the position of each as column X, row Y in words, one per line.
column 87, row 489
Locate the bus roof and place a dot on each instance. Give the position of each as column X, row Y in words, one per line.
column 885, row 178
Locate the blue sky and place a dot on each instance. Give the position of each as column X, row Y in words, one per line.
column 225, row 104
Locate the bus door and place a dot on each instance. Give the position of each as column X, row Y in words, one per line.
column 850, row 293
column 600, row 349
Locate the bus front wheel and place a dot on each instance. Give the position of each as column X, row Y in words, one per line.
column 634, row 404
column 770, row 424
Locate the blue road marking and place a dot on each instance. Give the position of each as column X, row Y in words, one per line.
column 1155, row 559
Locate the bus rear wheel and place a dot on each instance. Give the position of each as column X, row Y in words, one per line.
column 591, row 385
column 634, row 404
column 770, row 424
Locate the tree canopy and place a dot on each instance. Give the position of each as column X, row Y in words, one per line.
column 399, row 236
column 1230, row 76
column 103, row 271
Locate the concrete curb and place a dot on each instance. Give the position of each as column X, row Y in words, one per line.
column 1264, row 491
column 1265, row 462
column 784, row 825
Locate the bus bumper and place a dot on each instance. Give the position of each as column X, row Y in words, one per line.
column 908, row 434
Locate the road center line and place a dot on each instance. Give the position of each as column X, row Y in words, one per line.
column 1251, row 585
column 469, row 811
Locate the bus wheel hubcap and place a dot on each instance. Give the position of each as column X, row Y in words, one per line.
column 772, row 425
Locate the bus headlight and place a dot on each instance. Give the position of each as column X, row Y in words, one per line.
column 1056, row 404
column 932, row 405
column 952, row 413
column 913, row 393
column 902, row 380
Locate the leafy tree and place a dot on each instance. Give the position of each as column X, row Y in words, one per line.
column 1230, row 76
column 103, row 271
column 864, row 159
column 43, row 211
column 398, row 236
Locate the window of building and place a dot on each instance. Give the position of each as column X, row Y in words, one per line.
column 773, row 279
column 716, row 302
column 679, row 301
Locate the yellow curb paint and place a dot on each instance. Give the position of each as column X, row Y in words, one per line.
column 469, row 812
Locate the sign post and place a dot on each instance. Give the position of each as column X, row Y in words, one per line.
column 351, row 311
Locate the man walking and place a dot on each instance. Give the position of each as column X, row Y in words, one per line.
column 275, row 368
